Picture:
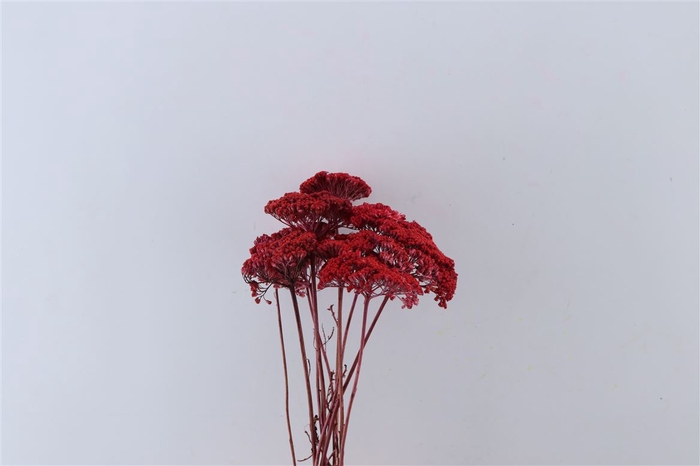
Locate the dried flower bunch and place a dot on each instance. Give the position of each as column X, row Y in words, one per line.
column 364, row 251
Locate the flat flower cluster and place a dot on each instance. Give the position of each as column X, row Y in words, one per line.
column 368, row 249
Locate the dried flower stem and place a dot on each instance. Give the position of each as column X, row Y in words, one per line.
column 337, row 405
column 321, row 355
column 369, row 332
column 357, row 375
column 286, row 379
column 309, row 399
column 352, row 309
column 317, row 372
column 337, row 433
column 336, row 408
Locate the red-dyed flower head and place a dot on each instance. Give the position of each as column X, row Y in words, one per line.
column 372, row 265
column 433, row 269
column 341, row 185
column 370, row 216
column 280, row 259
column 321, row 212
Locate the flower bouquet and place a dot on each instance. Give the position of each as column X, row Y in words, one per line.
column 367, row 254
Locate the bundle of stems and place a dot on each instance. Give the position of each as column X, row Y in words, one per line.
column 331, row 396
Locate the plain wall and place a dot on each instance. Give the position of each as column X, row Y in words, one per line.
column 550, row 148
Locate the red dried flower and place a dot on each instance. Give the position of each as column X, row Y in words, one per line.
column 368, row 215
column 321, row 212
column 330, row 247
column 386, row 255
column 280, row 259
column 373, row 266
column 431, row 267
column 380, row 253
column 341, row 185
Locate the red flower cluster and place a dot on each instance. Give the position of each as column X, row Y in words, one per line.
column 372, row 265
column 386, row 255
column 319, row 212
column 341, row 185
column 279, row 259
column 431, row 268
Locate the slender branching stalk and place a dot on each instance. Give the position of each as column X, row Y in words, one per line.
column 309, row 398
column 286, row 379
column 317, row 375
column 366, row 339
column 357, row 375
column 331, row 429
column 347, row 326
column 337, row 432
column 320, row 349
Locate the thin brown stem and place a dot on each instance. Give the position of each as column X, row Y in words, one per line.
column 309, row 398
column 324, row 355
column 325, row 427
column 336, row 404
column 286, row 378
column 340, row 401
column 317, row 375
column 320, row 350
column 366, row 339
column 337, row 438
column 357, row 376
column 347, row 325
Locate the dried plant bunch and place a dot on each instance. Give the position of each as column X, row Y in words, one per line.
column 378, row 255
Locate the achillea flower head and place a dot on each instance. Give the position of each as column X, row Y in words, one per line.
column 341, row 185
column 431, row 267
column 320, row 212
column 280, row 259
column 370, row 216
column 372, row 266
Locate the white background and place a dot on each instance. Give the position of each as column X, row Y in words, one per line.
column 551, row 149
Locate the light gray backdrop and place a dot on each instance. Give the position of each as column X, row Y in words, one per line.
column 551, row 148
